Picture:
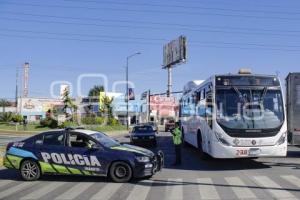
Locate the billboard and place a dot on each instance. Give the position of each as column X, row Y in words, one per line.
column 38, row 105
column 174, row 52
column 164, row 106
column 131, row 94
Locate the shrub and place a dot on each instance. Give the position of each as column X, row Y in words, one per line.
column 6, row 117
column 100, row 120
column 49, row 122
column 66, row 124
column 17, row 118
column 88, row 120
column 113, row 122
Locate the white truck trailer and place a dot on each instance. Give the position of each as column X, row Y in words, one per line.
column 293, row 107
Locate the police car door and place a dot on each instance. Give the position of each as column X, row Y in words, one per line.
column 50, row 148
column 90, row 161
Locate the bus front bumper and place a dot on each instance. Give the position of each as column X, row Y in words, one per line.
column 222, row 151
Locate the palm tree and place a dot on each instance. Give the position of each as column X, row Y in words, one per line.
column 4, row 103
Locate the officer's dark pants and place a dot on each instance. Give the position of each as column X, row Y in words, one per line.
column 178, row 154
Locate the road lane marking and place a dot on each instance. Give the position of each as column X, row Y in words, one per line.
column 107, row 191
column 239, row 188
column 75, row 191
column 174, row 189
column 292, row 179
column 16, row 189
column 140, row 191
column 276, row 190
column 38, row 194
column 5, row 182
column 206, row 189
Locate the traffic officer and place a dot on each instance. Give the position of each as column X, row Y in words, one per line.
column 177, row 143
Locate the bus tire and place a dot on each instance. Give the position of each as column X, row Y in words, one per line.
column 203, row 155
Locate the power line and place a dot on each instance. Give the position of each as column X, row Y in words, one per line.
column 133, row 38
column 85, row 35
column 224, row 3
column 148, row 27
column 151, row 22
column 182, row 7
column 199, row 44
column 151, row 11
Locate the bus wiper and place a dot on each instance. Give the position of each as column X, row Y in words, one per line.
column 239, row 94
column 264, row 94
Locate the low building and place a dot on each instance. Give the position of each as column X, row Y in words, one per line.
column 34, row 109
column 91, row 106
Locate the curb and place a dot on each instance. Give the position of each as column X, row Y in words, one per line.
column 2, row 131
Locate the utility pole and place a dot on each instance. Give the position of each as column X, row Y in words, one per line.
column 127, row 87
column 127, row 95
column 149, row 106
column 17, row 77
column 26, row 79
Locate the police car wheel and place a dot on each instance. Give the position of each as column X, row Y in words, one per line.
column 120, row 172
column 30, row 170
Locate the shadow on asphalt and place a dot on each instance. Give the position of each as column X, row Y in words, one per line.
column 11, row 174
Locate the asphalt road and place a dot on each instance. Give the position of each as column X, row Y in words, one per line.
column 264, row 178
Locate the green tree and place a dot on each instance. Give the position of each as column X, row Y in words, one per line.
column 69, row 104
column 95, row 91
column 4, row 103
column 106, row 106
column 93, row 95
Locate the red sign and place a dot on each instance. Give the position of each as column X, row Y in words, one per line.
column 164, row 106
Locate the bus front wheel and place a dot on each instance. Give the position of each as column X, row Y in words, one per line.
column 203, row 155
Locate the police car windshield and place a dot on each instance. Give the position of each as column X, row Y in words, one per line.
column 105, row 140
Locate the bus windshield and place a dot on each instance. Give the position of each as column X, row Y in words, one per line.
column 249, row 108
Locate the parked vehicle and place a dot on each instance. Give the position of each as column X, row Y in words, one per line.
column 80, row 152
column 293, row 107
column 154, row 126
column 169, row 125
column 143, row 134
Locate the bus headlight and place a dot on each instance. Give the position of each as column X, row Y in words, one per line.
column 221, row 139
column 282, row 139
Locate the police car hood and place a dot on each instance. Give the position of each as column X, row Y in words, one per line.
column 134, row 149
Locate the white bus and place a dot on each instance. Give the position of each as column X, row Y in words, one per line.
column 235, row 116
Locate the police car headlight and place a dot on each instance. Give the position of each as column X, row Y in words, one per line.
column 143, row 159
column 221, row 139
column 282, row 139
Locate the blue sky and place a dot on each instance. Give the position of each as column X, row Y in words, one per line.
column 62, row 39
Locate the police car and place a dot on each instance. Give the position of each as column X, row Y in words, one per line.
column 80, row 152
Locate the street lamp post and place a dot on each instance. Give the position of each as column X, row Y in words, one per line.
column 127, row 95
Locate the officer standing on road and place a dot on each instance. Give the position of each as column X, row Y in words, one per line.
column 177, row 143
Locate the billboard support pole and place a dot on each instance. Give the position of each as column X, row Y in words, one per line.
column 169, row 91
